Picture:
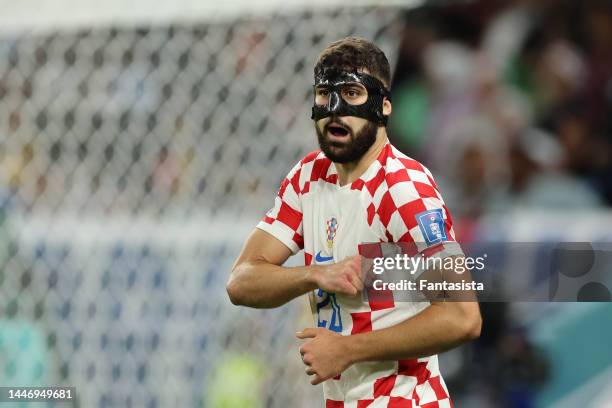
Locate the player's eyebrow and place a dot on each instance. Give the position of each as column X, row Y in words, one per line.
column 355, row 85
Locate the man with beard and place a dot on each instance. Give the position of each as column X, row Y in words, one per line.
column 357, row 189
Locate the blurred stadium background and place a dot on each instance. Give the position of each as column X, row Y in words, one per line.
column 141, row 143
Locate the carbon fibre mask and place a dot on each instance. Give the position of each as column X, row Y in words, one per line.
column 333, row 81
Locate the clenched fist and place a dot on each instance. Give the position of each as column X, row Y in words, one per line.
column 324, row 354
column 344, row 277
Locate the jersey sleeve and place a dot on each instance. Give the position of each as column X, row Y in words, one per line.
column 418, row 214
column 284, row 219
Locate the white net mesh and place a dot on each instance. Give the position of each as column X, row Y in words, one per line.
column 132, row 164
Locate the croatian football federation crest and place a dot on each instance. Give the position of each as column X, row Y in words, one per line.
column 332, row 227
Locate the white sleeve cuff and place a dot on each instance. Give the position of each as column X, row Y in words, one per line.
column 281, row 232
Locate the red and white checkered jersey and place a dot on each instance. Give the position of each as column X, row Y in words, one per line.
column 329, row 222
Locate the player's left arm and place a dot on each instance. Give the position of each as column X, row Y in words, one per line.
column 438, row 328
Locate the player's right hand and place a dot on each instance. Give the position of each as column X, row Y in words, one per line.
column 344, row 277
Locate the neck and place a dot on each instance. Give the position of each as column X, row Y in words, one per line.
column 349, row 172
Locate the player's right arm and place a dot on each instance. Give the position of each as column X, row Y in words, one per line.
column 258, row 279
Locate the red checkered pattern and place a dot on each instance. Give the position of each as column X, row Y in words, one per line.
column 284, row 220
column 380, row 206
column 399, row 190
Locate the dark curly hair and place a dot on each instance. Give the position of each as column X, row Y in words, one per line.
column 355, row 53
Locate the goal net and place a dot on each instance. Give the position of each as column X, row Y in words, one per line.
column 136, row 154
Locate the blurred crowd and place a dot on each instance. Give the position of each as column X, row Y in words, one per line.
column 509, row 102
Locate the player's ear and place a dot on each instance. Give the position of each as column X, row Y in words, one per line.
column 387, row 107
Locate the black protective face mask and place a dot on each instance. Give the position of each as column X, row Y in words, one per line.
column 333, row 80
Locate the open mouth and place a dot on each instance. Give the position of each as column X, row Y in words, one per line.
column 337, row 130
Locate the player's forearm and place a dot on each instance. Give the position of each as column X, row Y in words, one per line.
column 264, row 285
column 436, row 329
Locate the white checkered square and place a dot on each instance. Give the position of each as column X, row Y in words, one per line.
column 371, row 172
column 416, row 175
column 403, row 193
column 426, row 393
column 403, row 386
column 392, row 165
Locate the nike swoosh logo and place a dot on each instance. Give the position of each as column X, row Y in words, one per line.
column 320, row 258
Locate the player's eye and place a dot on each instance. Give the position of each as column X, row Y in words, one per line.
column 354, row 95
column 352, row 92
column 321, row 96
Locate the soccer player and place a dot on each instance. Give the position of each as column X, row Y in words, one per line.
column 357, row 189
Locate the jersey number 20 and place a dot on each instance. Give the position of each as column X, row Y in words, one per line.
column 335, row 321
